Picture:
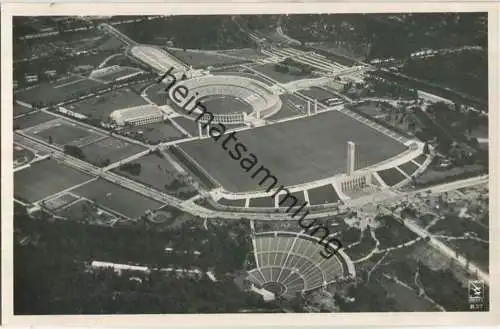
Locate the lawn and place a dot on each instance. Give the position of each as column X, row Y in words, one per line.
column 32, row 119
column 45, row 178
column 157, row 172
column 84, row 211
column 296, row 151
column 219, row 104
column 154, row 133
column 391, row 176
column 232, row 203
column 299, row 195
column 323, row 194
column 121, row 72
column 116, row 198
column 291, row 106
column 203, row 59
column 110, row 148
column 265, row 201
column 101, row 106
column 251, row 75
column 268, row 70
column 156, row 93
column 19, row 110
column 318, row 93
column 57, row 91
column 409, row 167
column 22, row 155
column 62, row 132
column 189, row 125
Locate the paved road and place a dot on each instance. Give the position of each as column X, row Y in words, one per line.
column 193, row 208
column 447, row 251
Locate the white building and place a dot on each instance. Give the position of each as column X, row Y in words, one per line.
column 139, row 115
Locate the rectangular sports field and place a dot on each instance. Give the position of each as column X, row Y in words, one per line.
column 110, row 148
column 57, row 91
column 154, row 133
column 45, row 178
column 318, row 93
column 63, row 132
column 32, row 119
column 296, row 151
column 121, row 72
column 268, row 70
column 19, row 109
column 292, row 106
column 200, row 59
column 100, row 107
column 155, row 171
column 116, row 198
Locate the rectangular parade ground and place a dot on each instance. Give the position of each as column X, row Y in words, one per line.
column 296, row 151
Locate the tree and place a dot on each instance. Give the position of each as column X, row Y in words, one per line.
column 74, row 151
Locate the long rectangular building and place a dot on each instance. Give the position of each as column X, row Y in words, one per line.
column 138, row 115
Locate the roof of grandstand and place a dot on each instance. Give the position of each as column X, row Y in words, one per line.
column 136, row 112
column 251, row 91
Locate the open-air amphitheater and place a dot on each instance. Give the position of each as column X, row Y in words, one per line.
column 260, row 97
column 290, row 263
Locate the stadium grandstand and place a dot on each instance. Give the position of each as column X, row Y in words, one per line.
column 291, row 263
column 138, row 115
column 263, row 101
column 157, row 58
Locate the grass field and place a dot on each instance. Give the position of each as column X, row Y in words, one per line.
column 262, row 202
column 19, row 109
column 110, row 148
column 156, row 93
column 251, row 75
column 22, row 155
column 156, row 171
column 100, row 107
column 57, row 91
column 268, row 69
column 391, row 176
column 291, row 106
column 409, row 167
column 116, row 198
column 32, row 119
column 85, row 211
column 232, row 203
column 45, row 178
column 60, row 201
column 289, row 202
column 122, row 72
column 203, row 59
column 225, row 104
column 296, row 151
column 189, row 125
column 318, row 93
column 323, row 194
column 154, row 133
column 63, row 132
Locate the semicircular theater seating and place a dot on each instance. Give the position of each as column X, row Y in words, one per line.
column 293, row 261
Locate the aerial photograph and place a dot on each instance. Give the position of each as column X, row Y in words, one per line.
column 302, row 163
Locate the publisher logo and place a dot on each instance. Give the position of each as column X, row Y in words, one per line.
column 476, row 291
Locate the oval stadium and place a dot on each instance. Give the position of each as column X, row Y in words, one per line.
column 232, row 99
column 290, row 263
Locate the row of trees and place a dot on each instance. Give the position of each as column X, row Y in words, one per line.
column 388, row 37
column 189, row 32
column 51, row 274
column 295, row 68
